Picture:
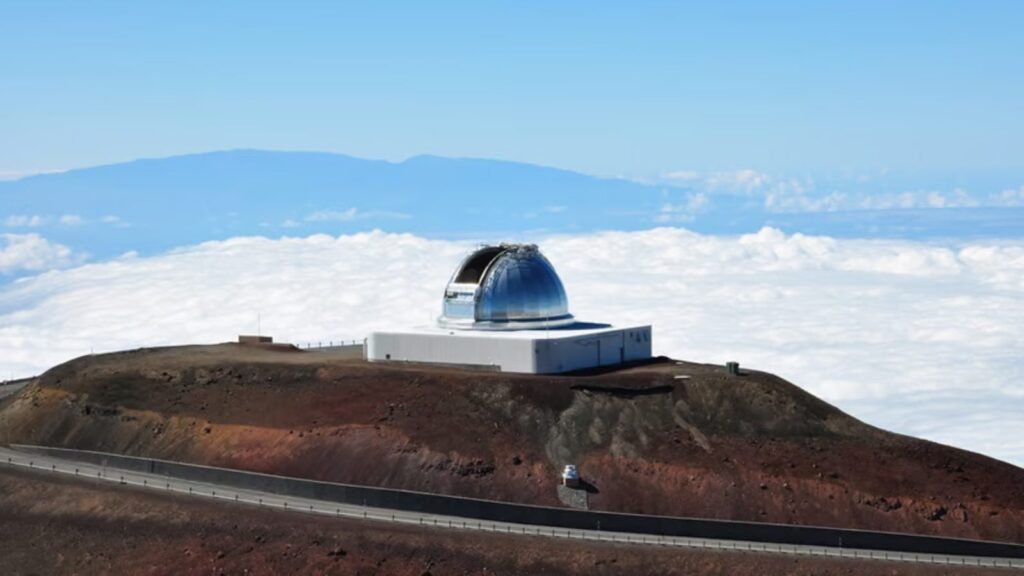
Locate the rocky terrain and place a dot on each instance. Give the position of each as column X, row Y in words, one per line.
column 51, row 525
column 667, row 437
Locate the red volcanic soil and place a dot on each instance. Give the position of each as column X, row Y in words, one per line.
column 54, row 525
column 748, row 447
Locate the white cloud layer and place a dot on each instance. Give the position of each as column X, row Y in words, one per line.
column 781, row 194
column 37, row 220
column 24, row 221
column 32, row 252
column 351, row 214
column 921, row 338
column 333, row 215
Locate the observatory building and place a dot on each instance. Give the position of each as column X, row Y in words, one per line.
column 505, row 309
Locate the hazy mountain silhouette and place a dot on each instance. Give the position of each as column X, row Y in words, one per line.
column 162, row 203
column 156, row 204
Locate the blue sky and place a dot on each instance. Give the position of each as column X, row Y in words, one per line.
column 635, row 89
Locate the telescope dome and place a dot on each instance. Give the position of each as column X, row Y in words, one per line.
column 505, row 287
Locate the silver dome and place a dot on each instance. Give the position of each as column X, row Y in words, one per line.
column 505, row 287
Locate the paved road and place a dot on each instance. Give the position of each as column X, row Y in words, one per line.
column 8, row 389
column 54, row 465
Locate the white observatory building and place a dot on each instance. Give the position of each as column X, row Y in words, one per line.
column 505, row 309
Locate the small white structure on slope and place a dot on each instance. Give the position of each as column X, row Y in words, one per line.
column 570, row 476
column 505, row 309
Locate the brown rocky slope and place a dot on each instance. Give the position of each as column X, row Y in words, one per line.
column 749, row 447
column 58, row 525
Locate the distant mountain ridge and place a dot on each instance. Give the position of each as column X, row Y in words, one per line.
column 156, row 204
column 152, row 205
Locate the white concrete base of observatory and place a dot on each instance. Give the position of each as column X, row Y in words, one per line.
column 524, row 351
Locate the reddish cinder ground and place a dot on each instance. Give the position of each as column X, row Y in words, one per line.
column 51, row 525
column 748, row 447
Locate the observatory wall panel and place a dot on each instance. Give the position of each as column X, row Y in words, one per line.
column 528, row 351
column 506, row 354
column 556, row 355
column 593, row 348
column 637, row 343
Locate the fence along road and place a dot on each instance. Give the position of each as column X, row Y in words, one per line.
column 84, row 470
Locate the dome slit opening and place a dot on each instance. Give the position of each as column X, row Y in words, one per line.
column 474, row 268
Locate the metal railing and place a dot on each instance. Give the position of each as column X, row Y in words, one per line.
column 352, row 511
column 325, row 344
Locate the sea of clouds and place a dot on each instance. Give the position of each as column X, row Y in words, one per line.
column 921, row 338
